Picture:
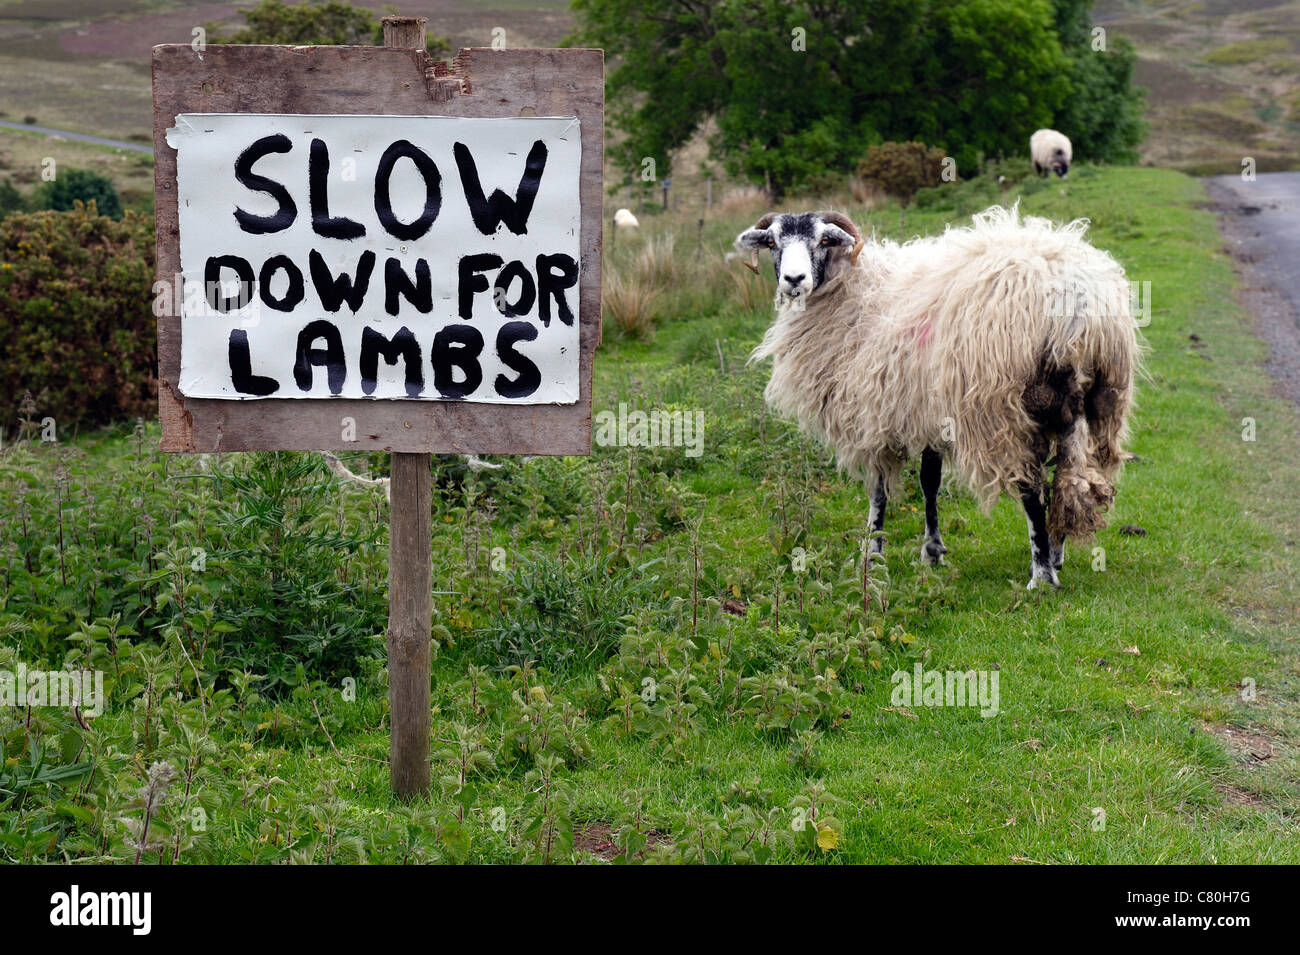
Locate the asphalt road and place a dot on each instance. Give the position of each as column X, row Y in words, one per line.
column 80, row 137
column 1261, row 221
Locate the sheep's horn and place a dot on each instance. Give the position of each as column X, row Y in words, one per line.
column 841, row 220
column 845, row 223
column 752, row 264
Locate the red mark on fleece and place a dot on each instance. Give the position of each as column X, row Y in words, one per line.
column 924, row 335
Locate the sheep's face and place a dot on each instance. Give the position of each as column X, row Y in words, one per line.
column 807, row 249
column 1060, row 164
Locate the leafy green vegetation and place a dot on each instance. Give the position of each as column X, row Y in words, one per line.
column 76, row 328
column 71, row 186
column 665, row 657
column 800, row 90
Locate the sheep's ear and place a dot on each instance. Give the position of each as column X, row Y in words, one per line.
column 835, row 236
column 838, row 238
column 752, row 240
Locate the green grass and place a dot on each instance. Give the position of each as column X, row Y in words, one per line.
column 1248, row 51
column 1206, row 597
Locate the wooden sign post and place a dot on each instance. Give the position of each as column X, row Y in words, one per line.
column 369, row 250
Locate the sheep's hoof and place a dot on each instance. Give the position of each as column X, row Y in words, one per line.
column 932, row 551
column 1043, row 574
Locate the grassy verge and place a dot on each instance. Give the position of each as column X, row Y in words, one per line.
column 1144, row 710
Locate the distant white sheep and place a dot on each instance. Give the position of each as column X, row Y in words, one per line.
column 1051, row 153
column 623, row 219
column 998, row 346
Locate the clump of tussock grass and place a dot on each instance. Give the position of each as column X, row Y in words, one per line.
column 629, row 301
column 752, row 292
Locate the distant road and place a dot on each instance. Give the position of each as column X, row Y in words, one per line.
column 80, row 137
column 1261, row 220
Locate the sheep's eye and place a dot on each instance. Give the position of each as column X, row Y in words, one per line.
column 825, row 241
column 771, row 243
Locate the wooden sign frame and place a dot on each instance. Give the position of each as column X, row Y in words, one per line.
column 479, row 82
column 399, row 79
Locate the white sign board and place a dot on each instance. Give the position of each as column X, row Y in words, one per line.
column 395, row 257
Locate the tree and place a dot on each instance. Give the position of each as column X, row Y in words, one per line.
column 72, row 185
column 1103, row 113
column 313, row 23
column 800, row 88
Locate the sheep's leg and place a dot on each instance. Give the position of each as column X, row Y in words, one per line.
column 876, row 517
column 932, row 550
column 1040, row 545
column 1055, row 540
column 1058, row 554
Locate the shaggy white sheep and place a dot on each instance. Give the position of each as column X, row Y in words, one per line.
column 1051, row 153
column 995, row 346
column 623, row 219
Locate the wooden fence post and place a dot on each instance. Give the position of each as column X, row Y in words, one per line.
column 410, row 574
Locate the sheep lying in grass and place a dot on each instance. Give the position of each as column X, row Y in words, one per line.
column 1051, row 153
column 623, row 219
column 998, row 346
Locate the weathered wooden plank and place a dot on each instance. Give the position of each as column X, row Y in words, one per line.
column 377, row 80
column 410, row 621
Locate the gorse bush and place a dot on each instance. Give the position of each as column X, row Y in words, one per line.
column 902, row 168
column 77, row 328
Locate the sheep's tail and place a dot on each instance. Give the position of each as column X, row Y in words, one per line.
column 1103, row 361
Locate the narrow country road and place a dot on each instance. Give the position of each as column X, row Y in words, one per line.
column 1261, row 221
column 79, row 137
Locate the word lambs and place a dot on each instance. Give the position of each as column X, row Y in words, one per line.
column 1006, row 347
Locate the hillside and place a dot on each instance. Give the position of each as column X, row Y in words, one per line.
column 1222, row 74
column 1222, row 80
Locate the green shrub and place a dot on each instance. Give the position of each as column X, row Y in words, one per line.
column 80, row 185
column 76, row 326
column 11, row 200
column 313, row 23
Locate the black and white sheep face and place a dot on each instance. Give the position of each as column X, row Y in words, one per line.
column 806, row 249
column 1060, row 163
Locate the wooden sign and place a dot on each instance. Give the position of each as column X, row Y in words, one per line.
column 361, row 248
column 366, row 249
